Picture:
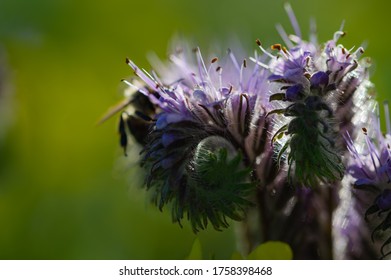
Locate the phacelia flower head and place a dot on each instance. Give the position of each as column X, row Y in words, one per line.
column 205, row 131
column 370, row 166
column 215, row 130
column 313, row 91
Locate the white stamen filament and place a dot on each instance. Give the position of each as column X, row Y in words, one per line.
column 205, row 75
column 266, row 52
column 155, row 77
column 152, row 78
column 255, row 60
column 220, row 72
column 241, row 76
column 338, row 35
column 130, row 84
column 359, row 52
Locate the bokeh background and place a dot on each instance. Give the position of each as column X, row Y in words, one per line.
column 65, row 192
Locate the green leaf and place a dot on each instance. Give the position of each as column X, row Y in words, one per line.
column 272, row 250
column 196, row 251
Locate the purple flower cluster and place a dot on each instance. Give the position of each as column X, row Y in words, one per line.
column 222, row 134
column 203, row 109
column 314, row 83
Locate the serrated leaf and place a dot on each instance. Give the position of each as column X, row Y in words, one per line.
column 196, row 251
column 271, row 250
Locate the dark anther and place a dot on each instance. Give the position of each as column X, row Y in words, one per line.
column 276, row 47
column 365, row 130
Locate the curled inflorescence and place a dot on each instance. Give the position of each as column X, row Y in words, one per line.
column 204, row 125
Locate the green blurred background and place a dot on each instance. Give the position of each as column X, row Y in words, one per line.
column 64, row 190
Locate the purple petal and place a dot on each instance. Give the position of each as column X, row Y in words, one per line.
column 319, row 79
column 295, row 73
column 356, row 171
column 161, row 122
column 167, row 118
column 363, row 182
column 174, row 118
column 225, row 90
column 168, row 139
column 168, row 162
column 200, row 96
column 294, row 93
column 275, row 77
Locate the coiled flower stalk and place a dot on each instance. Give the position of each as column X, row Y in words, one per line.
column 204, row 136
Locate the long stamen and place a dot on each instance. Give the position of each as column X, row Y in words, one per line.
column 371, row 150
column 158, row 85
column 293, row 19
column 202, row 71
column 244, row 65
column 263, row 50
column 338, row 35
column 282, row 50
column 233, row 58
column 135, row 87
column 212, row 62
column 155, row 77
column 256, row 61
column 219, row 70
column 359, row 52
column 150, row 82
column 313, row 36
column 252, row 77
column 284, row 36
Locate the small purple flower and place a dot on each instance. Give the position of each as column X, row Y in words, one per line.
column 292, row 68
column 319, row 79
column 370, row 168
